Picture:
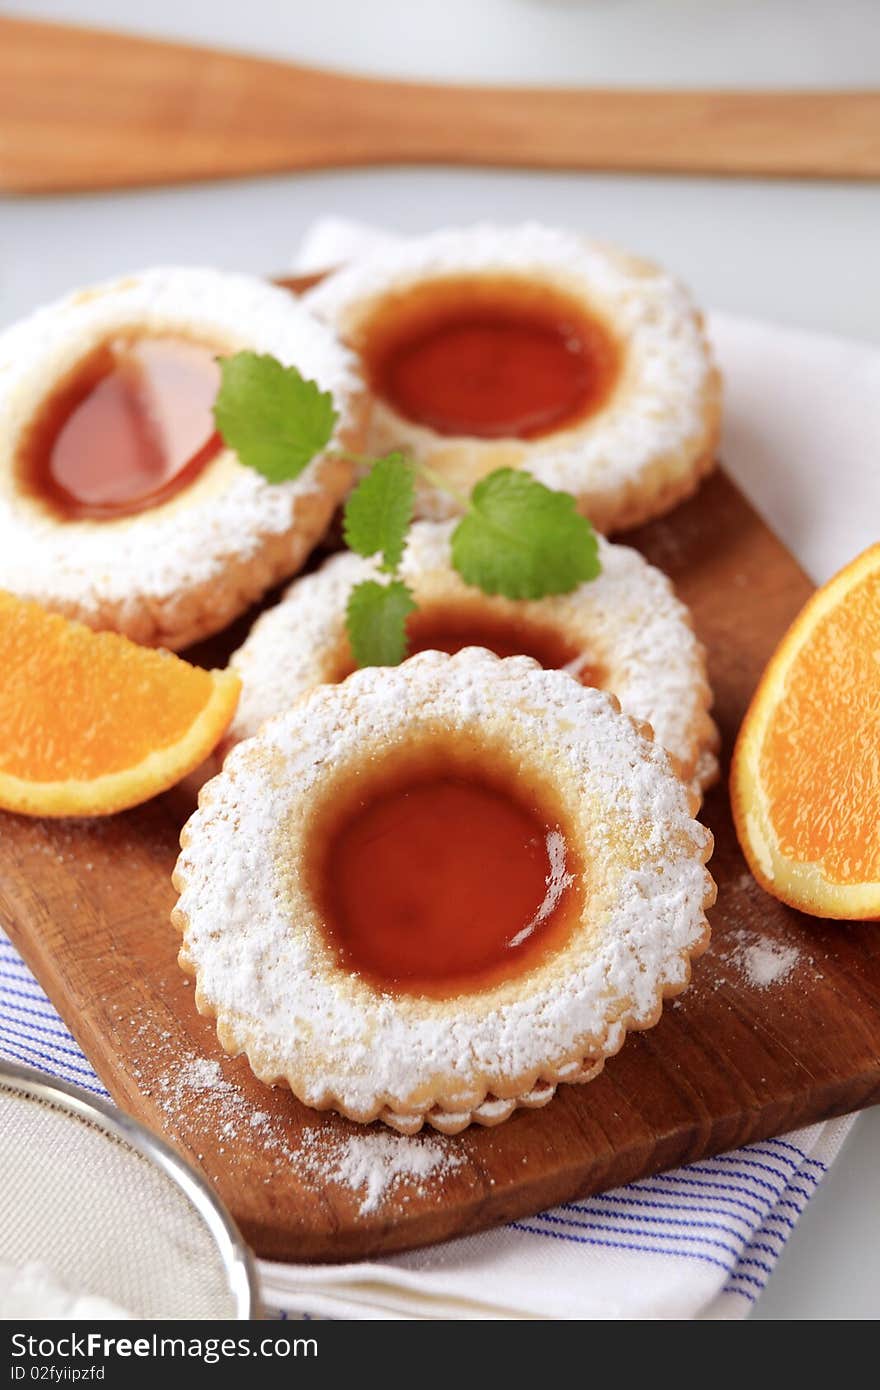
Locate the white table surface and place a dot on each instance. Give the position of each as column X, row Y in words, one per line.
column 801, row 254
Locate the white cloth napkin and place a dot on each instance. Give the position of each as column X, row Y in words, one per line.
column 802, row 413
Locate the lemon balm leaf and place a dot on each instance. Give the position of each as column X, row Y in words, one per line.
column 523, row 539
column 273, row 417
column 379, row 511
column 375, row 620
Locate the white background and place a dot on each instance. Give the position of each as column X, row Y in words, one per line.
column 801, row 254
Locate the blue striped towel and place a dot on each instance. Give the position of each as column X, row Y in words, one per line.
column 698, row 1242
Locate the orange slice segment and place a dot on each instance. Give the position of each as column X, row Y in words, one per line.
column 805, row 781
column 91, row 723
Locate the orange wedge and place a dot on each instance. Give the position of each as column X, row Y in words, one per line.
column 805, row 782
column 91, row 723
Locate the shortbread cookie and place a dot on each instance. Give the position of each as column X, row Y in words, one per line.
column 119, row 505
column 624, row 631
column 492, row 1111
column 434, row 891
column 528, row 347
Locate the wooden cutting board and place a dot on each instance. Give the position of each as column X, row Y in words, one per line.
column 733, row 1060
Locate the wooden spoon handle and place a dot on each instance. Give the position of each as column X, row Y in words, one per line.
column 88, row 109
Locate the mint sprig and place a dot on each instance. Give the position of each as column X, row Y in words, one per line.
column 275, row 419
column 375, row 620
column 517, row 537
column 379, row 511
column 522, row 539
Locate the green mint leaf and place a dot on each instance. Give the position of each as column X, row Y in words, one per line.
column 379, row 511
column 522, row 539
column 274, row 419
column 375, row 620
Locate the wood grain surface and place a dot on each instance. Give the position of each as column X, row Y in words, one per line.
column 88, row 905
column 87, row 109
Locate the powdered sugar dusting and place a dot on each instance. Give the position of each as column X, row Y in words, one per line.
column 33, row 1291
column 760, row 961
column 374, row 1165
column 201, row 1074
column 766, row 963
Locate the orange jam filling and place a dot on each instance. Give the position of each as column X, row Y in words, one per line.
column 450, row 628
column 489, row 357
column 820, row 764
column 437, row 877
column 131, row 426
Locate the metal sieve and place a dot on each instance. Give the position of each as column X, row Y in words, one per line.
column 111, row 1210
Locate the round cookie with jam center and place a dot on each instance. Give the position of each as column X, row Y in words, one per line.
column 120, row 505
column 439, row 889
column 625, row 631
column 529, row 347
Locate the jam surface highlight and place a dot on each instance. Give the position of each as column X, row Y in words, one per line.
column 130, row 427
column 440, row 882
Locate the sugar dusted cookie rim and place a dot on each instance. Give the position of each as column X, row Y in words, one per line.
column 645, row 450
column 187, row 567
column 267, row 975
column 492, row 1111
column 627, row 620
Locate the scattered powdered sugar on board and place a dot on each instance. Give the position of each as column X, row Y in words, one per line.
column 372, row 1164
column 759, row 960
column 766, row 963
